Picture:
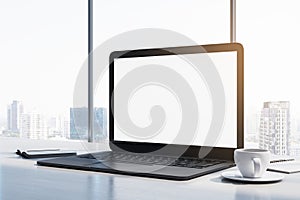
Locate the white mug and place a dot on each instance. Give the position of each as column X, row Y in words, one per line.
column 252, row 163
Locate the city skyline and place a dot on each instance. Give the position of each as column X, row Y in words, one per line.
column 36, row 125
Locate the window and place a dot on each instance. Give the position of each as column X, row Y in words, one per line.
column 43, row 46
column 270, row 35
column 203, row 21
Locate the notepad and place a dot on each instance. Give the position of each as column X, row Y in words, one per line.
column 44, row 153
column 285, row 167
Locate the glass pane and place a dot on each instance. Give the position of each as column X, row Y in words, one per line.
column 270, row 35
column 43, row 47
column 136, row 24
column 204, row 21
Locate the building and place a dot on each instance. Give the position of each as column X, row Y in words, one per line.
column 100, row 124
column 25, row 126
column 14, row 112
column 56, row 127
column 33, row 126
column 252, row 128
column 66, row 129
column 79, row 123
column 274, row 131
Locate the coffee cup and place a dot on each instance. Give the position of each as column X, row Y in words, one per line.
column 252, row 163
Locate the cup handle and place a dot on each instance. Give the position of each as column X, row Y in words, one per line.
column 257, row 166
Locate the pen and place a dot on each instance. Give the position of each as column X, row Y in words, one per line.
column 282, row 160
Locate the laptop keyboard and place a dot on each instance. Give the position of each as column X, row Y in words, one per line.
column 152, row 159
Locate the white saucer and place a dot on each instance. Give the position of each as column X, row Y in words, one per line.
column 268, row 177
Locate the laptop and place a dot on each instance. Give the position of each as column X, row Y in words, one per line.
column 176, row 113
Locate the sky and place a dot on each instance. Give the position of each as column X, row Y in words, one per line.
column 271, row 42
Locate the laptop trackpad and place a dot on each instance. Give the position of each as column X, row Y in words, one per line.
column 129, row 167
column 154, row 170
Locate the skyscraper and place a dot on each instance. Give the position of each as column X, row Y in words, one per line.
column 252, row 127
column 100, row 124
column 79, row 123
column 14, row 112
column 274, row 131
column 33, row 126
column 66, row 129
column 56, row 127
column 25, row 126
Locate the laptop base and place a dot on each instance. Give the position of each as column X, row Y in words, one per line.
column 133, row 169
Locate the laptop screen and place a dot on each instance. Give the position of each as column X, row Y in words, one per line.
column 150, row 102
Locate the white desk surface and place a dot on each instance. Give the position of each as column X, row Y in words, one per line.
column 23, row 179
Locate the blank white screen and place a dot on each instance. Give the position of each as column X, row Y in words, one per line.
column 143, row 99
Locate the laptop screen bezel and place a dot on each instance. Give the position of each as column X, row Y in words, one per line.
column 190, row 150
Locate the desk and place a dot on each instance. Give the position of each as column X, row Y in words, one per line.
column 22, row 179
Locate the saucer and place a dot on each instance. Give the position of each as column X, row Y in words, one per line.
column 268, row 177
